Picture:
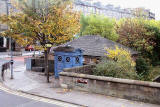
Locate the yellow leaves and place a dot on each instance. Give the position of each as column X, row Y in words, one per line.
column 38, row 47
column 118, row 53
column 21, row 40
column 3, row 34
column 112, row 53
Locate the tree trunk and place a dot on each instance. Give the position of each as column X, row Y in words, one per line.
column 46, row 64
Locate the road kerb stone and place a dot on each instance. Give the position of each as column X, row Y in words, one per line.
column 39, row 97
column 53, row 99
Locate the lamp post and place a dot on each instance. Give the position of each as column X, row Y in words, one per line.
column 48, row 46
column 11, row 52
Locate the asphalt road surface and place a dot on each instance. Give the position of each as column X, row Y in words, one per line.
column 10, row 100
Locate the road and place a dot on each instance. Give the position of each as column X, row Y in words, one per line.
column 10, row 100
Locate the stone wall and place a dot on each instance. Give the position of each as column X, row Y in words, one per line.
column 86, row 69
column 123, row 88
column 39, row 63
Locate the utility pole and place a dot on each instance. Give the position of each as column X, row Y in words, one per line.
column 11, row 52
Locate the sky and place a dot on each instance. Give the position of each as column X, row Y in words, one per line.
column 153, row 5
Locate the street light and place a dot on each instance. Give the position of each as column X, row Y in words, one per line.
column 48, row 46
column 11, row 53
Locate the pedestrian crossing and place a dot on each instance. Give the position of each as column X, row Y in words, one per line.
column 37, row 98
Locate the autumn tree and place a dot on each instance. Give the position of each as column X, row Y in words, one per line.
column 133, row 34
column 142, row 35
column 54, row 23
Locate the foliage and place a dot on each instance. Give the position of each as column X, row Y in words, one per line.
column 111, row 68
column 142, row 35
column 142, row 68
column 155, row 71
column 119, row 64
column 98, row 25
column 118, row 54
column 155, row 56
column 49, row 24
column 133, row 34
column 55, row 24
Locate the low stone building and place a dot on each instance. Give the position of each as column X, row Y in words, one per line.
column 93, row 47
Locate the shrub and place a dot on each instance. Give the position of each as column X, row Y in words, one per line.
column 119, row 64
column 111, row 68
column 120, row 55
column 142, row 68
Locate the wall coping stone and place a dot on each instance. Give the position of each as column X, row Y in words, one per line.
column 111, row 79
column 78, row 67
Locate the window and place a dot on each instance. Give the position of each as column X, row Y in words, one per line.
column 77, row 60
column 67, row 59
column 59, row 58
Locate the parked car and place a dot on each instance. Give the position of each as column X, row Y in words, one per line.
column 29, row 48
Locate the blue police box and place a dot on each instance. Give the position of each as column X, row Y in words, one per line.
column 66, row 57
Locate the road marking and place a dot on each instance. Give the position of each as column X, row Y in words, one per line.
column 37, row 98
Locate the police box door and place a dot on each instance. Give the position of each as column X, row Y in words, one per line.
column 60, row 64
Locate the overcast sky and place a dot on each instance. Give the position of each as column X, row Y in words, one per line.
column 153, row 5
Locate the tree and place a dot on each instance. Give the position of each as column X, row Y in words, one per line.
column 142, row 35
column 133, row 34
column 98, row 25
column 155, row 31
column 54, row 24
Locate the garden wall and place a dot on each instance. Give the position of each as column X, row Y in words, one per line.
column 86, row 69
column 37, row 63
column 123, row 88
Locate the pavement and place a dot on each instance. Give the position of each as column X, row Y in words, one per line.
column 17, row 101
column 34, row 83
column 12, row 97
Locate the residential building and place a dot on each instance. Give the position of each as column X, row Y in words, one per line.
column 6, row 8
column 4, row 42
column 109, row 10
